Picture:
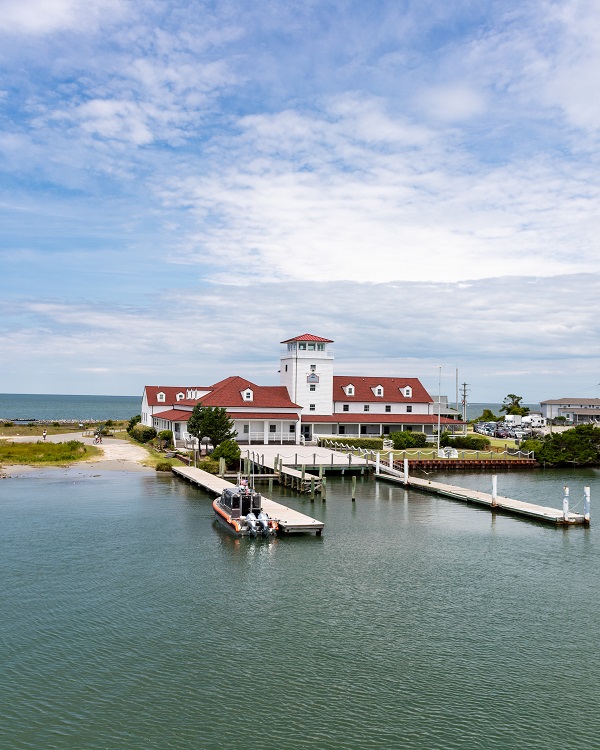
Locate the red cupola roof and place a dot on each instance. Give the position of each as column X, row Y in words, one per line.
column 308, row 337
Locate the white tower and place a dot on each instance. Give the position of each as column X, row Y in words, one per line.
column 306, row 367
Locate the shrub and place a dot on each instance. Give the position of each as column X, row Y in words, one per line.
column 163, row 466
column 142, row 433
column 55, row 424
column 133, row 421
column 369, row 443
column 406, row 439
column 465, row 443
column 209, row 465
column 9, row 424
column 229, row 450
column 165, row 438
column 109, row 423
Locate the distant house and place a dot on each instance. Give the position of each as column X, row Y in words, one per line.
column 574, row 410
column 309, row 402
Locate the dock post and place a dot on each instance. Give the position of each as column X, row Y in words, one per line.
column 314, row 460
column 324, row 489
column 566, row 503
column 332, row 459
column 349, row 459
column 312, row 488
column 494, row 490
column 303, row 473
column 221, row 467
column 377, row 462
column 391, row 459
column 296, row 461
column 320, row 471
column 276, row 462
column 586, row 505
column 270, row 486
column 353, row 487
column 405, row 470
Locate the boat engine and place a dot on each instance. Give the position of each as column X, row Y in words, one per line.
column 252, row 523
column 263, row 520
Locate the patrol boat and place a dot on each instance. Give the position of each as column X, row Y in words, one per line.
column 240, row 510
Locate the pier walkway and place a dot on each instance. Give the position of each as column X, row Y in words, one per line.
column 290, row 521
column 491, row 501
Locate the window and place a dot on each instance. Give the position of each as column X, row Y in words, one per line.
column 272, row 428
column 363, row 429
column 320, row 347
column 292, row 428
column 386, row 429
column 388, row 408
column 407, row 391
column 180, row 396
column 409, row 408
column 349, row 390
column 346, row 407
column 247, row 395
column 286, row 368
column 311, row 347
column 313, row 368
column 302, row 346
column 160, row 396
column 366, row 407
column 342, row 429
column 246, row 429
column 312, row 407
column 313, row 387
column 379, row 391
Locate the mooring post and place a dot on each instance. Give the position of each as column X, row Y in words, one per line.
column 324, row 489
column 332, row 460
column 405, row 470
column 320, row 471
column 353, row 487
column 566, row 503
column 270, row 486
column 296, row 461
column 494, row 490
column 377, row 462
column 586, row 504
column 276, row 462
column 221, row 467
column 391, row 459
column 303, row 473
column 312, row 488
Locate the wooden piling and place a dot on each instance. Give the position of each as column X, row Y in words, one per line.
column 324, row 489
column 353, row 487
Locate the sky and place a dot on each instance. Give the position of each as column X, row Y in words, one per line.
column 184, row 184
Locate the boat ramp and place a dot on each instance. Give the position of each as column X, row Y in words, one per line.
column 290, row 521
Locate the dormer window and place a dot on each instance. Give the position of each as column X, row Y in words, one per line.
column 349, row 390
column 407, row 391
column 247, row 395
column 160, row 396
column 378, row 391
column 180, row 396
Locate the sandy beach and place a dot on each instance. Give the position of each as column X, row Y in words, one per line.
column 117, row 455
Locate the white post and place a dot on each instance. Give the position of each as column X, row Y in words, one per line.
column 405, row 470
column 566, row 503
column 377, row 462
column 391, row 459
column 494, row 489
column 586, row 504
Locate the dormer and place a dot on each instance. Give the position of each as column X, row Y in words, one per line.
column 406, row 391
column 248, row 394
column 160, row 396
column 349, row 389
column 179, row 396
column 378, row 391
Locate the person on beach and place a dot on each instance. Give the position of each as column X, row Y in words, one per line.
column 44, row 433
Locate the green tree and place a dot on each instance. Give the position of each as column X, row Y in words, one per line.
column 577, row 447
column 487, row 416
column 210, row 422
column 229, row 450
column 512, row 405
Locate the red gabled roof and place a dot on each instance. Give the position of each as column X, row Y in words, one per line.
column 171, row 392
column 259, row 415
column 308, row 337
column 391, row 390
column 348, row 418
column 228, row 393
column 174, row 415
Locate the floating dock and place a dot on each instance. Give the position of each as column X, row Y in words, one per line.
column 290, row 521
column 492, row 501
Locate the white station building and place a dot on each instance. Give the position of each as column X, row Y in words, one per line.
column 310, row 402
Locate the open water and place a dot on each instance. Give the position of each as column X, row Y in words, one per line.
column 129, row 620
column 55, row 407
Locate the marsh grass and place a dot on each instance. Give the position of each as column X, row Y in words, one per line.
column 46, row 453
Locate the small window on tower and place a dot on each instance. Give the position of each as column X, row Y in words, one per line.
column 312, row 407
column 313, row 387
column 366, row 407
column 320, row 347
column 313, row 368
column 388, row 408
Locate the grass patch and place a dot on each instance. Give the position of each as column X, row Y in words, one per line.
column 154, row 457
column 34, row 430
column 46, row 453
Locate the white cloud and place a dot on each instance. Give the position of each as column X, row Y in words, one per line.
column 48, row 16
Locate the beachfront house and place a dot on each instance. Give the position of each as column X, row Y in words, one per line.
column 574, row 410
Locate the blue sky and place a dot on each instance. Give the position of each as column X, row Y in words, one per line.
column 185, row 184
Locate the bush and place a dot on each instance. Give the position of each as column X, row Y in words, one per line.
column 55, row 424
column 142, row 433
column 165, row 438
column 369, row 443
column 465, row 443
column 109, row 423
column 209, row 465
column 163, row 466
column 229, row 450
column 9, row 424
column 133, row 421
column 406, row 439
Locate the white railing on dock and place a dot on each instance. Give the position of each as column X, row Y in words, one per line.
column 425, row 454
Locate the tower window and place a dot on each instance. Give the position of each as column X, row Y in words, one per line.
column 313, row 387
column 312, row 407
column 302, row 346
column 320, row 347
column 346, row 407
column 366, row 407
column 286, row 368
column 313, row 368
column 388, row 408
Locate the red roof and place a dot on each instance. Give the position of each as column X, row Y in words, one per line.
column 308, row 337
column 171, row 392
column 391, row 390
column 174, row 415
column 257, row 415
column 228, row 392
column 347, row 417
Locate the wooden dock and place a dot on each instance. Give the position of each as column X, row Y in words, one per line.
column 497, row 503
column 290, row 521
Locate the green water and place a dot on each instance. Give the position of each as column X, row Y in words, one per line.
column 129, row 620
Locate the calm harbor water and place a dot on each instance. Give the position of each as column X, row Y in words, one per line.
column 131, row 621
column 43, row 406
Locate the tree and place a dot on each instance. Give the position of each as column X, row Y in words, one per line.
column 210, row 422
column 487, row 416
column 229, row 450
column 512, row 405
column 576, row 447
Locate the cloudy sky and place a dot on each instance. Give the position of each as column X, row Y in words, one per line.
column 185, row 183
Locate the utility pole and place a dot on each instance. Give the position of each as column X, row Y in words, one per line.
column 464, row 392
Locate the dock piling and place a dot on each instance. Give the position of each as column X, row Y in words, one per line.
column 586, row 504
column 566, row 503
column 353, row 488
column 494, row 490
column 405, row 470
column 324, row 489
column 312, row 488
